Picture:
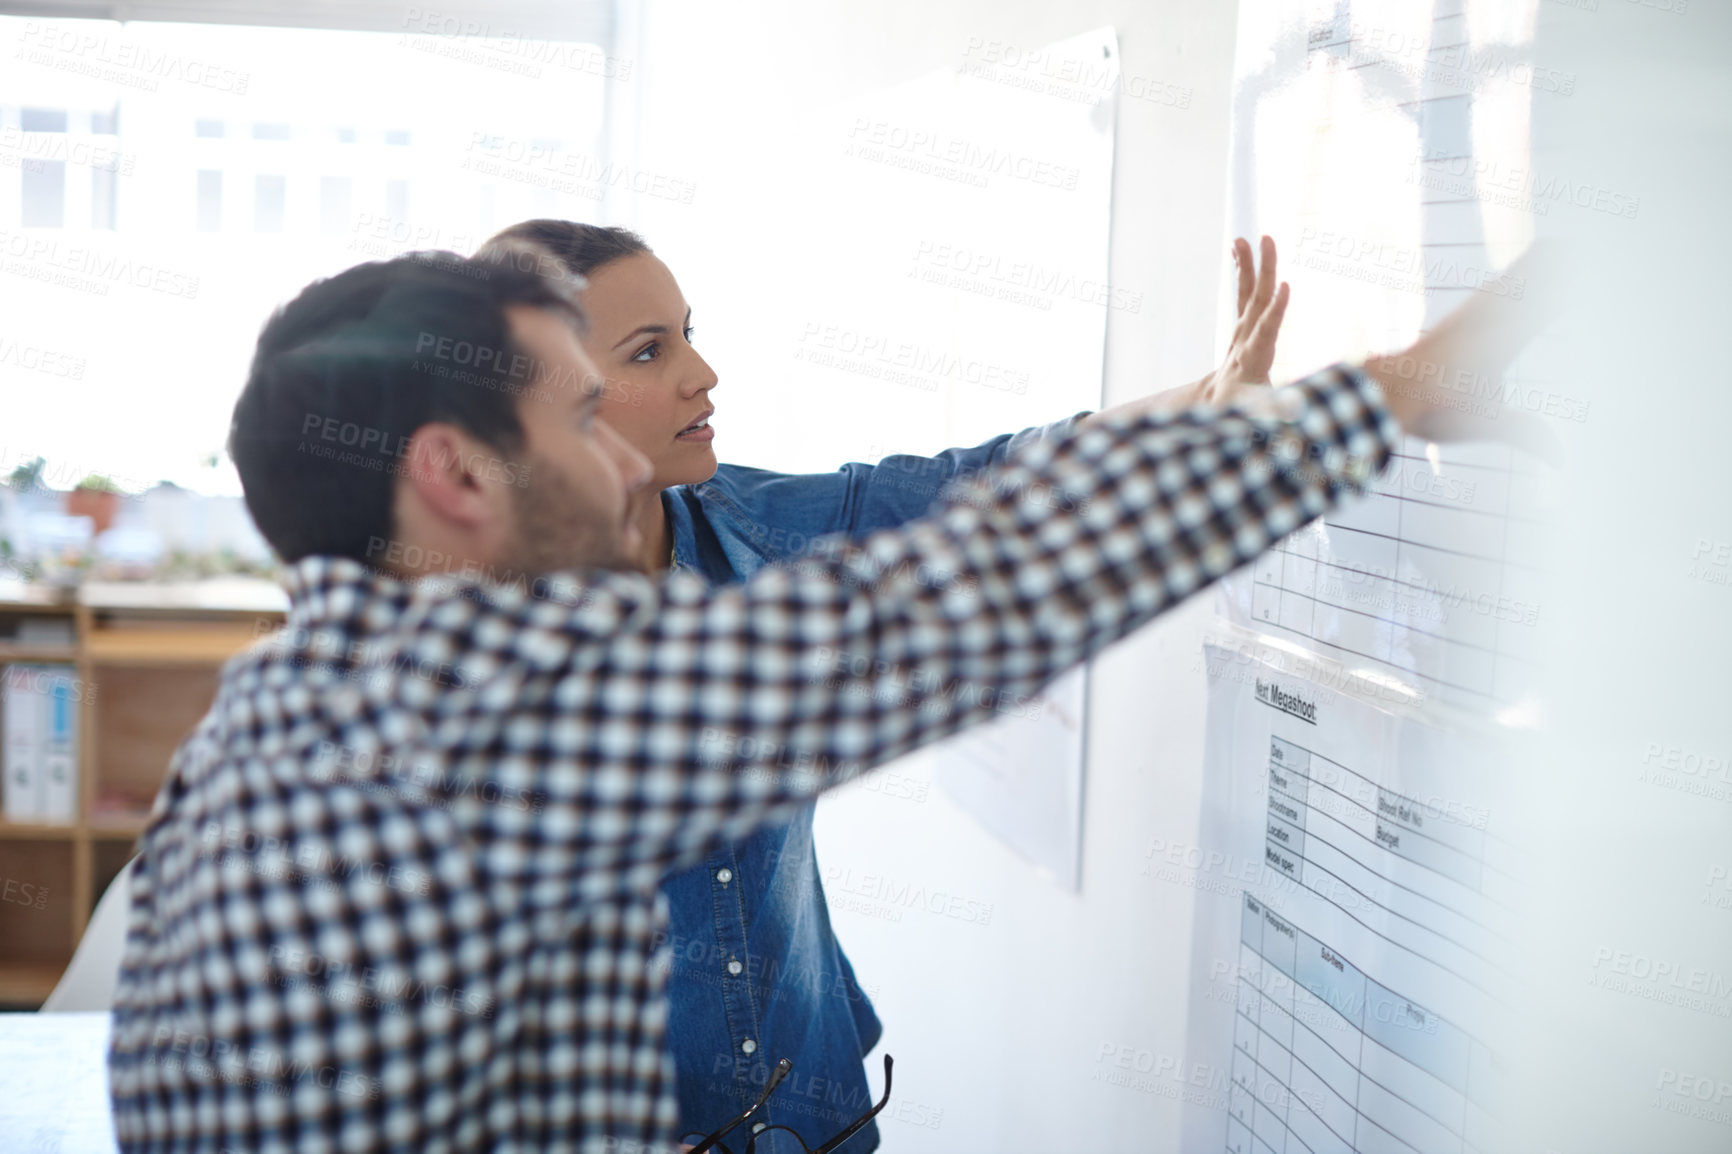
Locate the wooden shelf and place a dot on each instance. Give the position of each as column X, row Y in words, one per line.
column 35, row 831
column 10, row 652
column 166, row 646
column 231, row 596
column 19, row 597
column 147, row 657
column 29, row 983
column 118, row 825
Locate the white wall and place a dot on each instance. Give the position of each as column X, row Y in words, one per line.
column 1628, row 1045
column 998, row 1029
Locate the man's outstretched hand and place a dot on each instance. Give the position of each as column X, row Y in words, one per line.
column 1467, row 353
column 1425, row 385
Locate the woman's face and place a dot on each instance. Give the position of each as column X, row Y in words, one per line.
column 657, row 394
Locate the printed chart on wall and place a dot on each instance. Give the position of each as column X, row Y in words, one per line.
column 1352, row 992
column 1388, row 149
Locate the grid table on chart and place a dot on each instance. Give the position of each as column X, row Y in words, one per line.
column 1425, row 882
column 1463, row 224
column 1435, row 575
column 1326, row 1060
column 1431, row 574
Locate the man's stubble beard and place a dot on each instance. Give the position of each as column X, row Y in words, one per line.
column 549, row 535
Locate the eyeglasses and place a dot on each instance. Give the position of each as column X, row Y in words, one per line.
column 713, row 1140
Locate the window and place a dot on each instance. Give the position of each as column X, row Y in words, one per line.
column 270, row 201
column 487, row 220
column 193, row 208
column 397, row 200
column 336, row 200
column 44, row 194
column 103, row 184
column 210, row 200
column 42, row 120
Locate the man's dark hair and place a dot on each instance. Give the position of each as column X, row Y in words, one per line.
column 347, row 371
column 581, row 248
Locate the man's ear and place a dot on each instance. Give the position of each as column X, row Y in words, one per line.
column 443, row 470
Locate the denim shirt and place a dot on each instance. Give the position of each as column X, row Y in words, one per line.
column 757, row 974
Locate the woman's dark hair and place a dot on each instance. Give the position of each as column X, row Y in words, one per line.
column 581, row 248
column 347, row 371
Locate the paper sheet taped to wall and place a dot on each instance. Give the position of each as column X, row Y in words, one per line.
column 1353, row 989
column 1387, row 148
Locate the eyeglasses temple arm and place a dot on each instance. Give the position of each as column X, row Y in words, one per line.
column 776, row 1076
column 861, row 1121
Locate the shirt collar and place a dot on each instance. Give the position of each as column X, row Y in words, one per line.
column 335, row 591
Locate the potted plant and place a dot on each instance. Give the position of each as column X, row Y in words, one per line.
column 27, row 477
column 96, row 497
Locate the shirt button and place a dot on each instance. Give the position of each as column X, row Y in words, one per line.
column 724, row 875
column 749, row 1046
column 760, row 1127
column 734, row 968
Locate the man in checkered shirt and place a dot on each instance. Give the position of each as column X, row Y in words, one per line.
column 399, row 891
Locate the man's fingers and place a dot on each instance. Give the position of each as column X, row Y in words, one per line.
column 1247, row 273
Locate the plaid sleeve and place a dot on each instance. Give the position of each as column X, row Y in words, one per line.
column 670, row 714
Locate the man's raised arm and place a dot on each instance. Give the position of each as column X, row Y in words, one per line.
column 727, row 704
column 721, row 705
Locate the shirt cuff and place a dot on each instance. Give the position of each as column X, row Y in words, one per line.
column 1340, row 410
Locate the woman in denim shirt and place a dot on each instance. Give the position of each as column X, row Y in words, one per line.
column 757, row 974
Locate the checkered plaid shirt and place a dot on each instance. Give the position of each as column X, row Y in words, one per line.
column 399, row 889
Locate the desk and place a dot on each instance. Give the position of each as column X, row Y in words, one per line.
column 54, row 1084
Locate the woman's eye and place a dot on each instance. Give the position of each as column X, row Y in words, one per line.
column 648, row 353
column 688, row 334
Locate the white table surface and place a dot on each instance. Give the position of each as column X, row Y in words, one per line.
column 54, row 1084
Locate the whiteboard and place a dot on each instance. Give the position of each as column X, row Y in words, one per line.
column 955, row 288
